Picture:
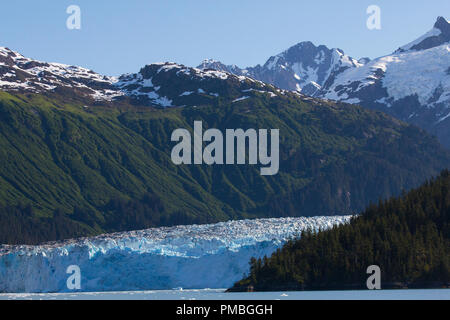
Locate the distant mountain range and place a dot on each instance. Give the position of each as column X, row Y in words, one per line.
column 412, row 84
column 304, row 67
column 157, row 85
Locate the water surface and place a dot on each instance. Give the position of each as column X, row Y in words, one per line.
column 209, row 294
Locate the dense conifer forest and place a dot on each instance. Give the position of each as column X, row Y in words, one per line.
column 408, row 237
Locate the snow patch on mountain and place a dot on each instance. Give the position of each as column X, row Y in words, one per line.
column 152, row 85
column 304, row 67
column 417, row 73
column 172, row 84
column 197, row 256
column 432, row 33
column 20, row 73
column 437, row 36
column 241, row 99
column 412, row 84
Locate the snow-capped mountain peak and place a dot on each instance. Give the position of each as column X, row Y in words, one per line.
column 303, row 67
column 164, row 84
column 219, row 66
column 170, row 84
column 18, row 73
column 440, row 34
column 412, row 84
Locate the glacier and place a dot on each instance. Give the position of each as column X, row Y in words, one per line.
column 190, row 257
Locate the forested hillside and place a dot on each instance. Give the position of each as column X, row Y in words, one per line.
column 408, row 237
column 83, row 168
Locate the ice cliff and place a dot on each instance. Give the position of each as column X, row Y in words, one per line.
column 191, row 257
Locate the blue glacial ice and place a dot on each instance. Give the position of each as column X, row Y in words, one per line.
column 191, row 257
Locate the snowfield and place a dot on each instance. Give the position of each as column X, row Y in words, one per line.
column 190, row 257
column 423, row 73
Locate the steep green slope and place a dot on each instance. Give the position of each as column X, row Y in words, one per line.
column 96, row 165
column 407, row 237
column 61, row 156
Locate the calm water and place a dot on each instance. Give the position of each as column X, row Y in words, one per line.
column 443, row 294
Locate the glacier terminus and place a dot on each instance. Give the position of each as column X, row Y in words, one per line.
column 190, row 257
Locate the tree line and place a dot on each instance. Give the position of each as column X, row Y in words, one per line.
column 22, row 224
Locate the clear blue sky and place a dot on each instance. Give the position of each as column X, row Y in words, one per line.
column 122, row 36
